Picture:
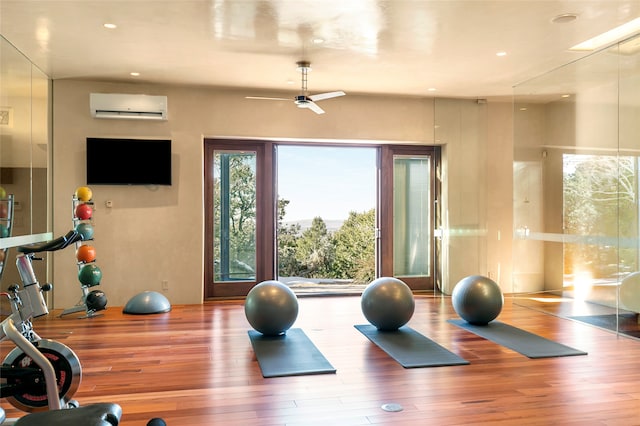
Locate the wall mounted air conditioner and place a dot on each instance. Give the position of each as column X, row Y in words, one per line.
column 136, row 107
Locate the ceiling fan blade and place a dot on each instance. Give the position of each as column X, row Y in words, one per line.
column 328, row 95
column 315, row 108
column 266, row 98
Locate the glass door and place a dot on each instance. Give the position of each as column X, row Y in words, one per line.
column 237, row 219
column 365, row 212
column 407, row 223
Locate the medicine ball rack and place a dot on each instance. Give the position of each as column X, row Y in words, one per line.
column 82, row 305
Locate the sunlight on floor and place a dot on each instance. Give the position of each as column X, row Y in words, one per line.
column 550, row 299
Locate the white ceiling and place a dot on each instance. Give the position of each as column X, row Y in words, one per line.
column 402, row 47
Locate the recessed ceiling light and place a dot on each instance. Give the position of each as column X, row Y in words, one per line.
column 611, row 36
column 110, row 26
column 318, row 40
column 135, row 74
column 431, row 89
column 566, row 96
column 565, row 18
column 501, row 54
column 523, row 109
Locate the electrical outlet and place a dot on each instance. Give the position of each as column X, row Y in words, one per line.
column 165, row 285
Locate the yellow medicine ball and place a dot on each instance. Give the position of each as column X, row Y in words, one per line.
column 84, row 193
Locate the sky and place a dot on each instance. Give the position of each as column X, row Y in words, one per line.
column 325, row 181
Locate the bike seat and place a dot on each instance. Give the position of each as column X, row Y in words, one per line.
column 99, row 414
column 53, row 245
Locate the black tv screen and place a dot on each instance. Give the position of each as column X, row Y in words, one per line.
column 112, row 161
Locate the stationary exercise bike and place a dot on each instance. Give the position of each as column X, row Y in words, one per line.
column 41, row 374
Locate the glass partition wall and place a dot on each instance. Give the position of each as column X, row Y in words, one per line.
column 24, row 158
column 577, row 185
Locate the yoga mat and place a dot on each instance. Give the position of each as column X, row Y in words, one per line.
column 528, row 344
column 410, row 348
column 626, row 323
column 291, row 354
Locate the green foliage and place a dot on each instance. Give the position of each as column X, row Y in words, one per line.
column 288, row 263
column 315, row 251
column 600, row 199
column 237, row 236
column 349, row 253
column 355, row 247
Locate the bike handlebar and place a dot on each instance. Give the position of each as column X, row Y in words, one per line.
column 52, row 245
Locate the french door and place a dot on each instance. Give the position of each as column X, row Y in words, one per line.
column 239, row 216
column 407, row 215
column 241, row 211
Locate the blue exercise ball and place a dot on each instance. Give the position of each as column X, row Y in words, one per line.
column 271, row 308
column 477, row 299
column 387, row 303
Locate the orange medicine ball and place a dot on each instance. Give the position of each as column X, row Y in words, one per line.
column 86, row 254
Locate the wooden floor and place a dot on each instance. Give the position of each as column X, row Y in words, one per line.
column 195, row 366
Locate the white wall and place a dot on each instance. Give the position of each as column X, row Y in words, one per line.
column 156, row 234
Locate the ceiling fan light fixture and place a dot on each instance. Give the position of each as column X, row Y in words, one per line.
column 304, row 66
column 304, row 100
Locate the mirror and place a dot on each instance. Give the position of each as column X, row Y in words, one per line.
column 24, row 153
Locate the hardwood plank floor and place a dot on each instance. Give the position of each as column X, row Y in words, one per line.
column 195, row 366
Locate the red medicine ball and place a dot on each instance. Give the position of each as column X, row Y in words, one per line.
column 84, row 211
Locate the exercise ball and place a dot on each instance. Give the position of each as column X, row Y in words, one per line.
column 477, row 299
column 271, row 308
column 85, row 230
column 90, row 275
column 85, row 253
column 387, row 303
column 83, row 211
column 147, row 302
column 96, row 300
column 84, row 193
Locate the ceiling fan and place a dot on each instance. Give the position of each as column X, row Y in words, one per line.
column 304, row 100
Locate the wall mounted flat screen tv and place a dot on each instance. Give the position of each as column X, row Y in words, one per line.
column 113, row 161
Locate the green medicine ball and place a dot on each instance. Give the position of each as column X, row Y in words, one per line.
column 90, row 275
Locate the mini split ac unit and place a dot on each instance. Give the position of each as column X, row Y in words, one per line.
column 136, row 107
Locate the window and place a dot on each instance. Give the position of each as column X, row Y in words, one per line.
column 249, row 238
